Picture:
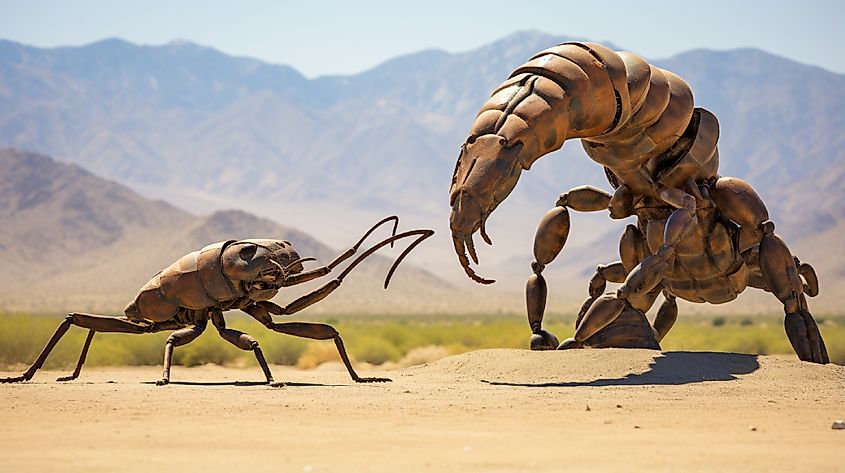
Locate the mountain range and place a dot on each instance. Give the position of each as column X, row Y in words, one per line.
column 75, row 241
column 208, row 131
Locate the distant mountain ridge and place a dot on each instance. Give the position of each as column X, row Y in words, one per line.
column 188, row 122
column 74, row 241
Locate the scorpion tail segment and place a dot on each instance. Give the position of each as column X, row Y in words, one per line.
column 379, row 245
column 393, row 218
column 405, row 253
column 460, row 250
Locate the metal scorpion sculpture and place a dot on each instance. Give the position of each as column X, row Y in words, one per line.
column 223, row 276
column 698, row 236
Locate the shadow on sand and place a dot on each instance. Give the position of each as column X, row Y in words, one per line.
column 669, row 368
column 247, row 383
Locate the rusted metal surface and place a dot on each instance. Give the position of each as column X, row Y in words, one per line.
column 699, row 236
column 228, row 275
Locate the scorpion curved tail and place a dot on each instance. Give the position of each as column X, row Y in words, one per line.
column 421, row 235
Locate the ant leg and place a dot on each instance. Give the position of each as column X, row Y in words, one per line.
column 322, row 332
column 95, row 323
column 82, row 357
column 177, row 339
column 242, row 340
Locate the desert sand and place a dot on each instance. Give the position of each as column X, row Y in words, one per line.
column 486, row 411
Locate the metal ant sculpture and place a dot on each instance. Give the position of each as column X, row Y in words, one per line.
column 698, row 236
column 223, row 276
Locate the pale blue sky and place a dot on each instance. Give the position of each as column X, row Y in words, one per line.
column 324, row 37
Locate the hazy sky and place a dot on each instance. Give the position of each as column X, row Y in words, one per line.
column 323, row 37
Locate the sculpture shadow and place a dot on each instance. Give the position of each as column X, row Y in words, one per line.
column 247, row 384
column 669, row 368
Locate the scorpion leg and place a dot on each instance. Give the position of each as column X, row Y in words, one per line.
column 613, row 322
column 681, row 224
column 549, row 240
column 613, row 272
column 666, row 316
column 609, row 320
column 177, row 339
column 242, row 340
column 95, row 323
column 780, row 271
column 784, row 281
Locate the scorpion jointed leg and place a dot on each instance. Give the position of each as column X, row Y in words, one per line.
column 613, row 272
column 784, row 281
column 781, row 272
column 549, row 240
column 666, row 316
column 615, row 322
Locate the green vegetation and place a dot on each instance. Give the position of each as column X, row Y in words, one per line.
column 373, row 339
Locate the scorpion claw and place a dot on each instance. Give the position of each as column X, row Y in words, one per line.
column 460, row 249
column 470, row 245
column 483, row 232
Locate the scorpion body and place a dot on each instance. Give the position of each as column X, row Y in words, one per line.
column 245, row 274
column 698, row 236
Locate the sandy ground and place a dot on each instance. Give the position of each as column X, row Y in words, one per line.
column 487, row 411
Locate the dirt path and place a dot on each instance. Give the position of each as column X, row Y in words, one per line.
column 487, row 411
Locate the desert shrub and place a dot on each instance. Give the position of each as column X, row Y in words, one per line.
column 208, row 348
column 375, row 350
column 316, row 354
column 286, row 351
column 405, row 340
column 423, row 355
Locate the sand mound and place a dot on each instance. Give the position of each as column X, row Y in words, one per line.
column 625, row 367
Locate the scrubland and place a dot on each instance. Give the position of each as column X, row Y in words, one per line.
column 388, row 341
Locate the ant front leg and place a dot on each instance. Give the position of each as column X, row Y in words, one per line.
column 314, row 331
column 242, row 340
